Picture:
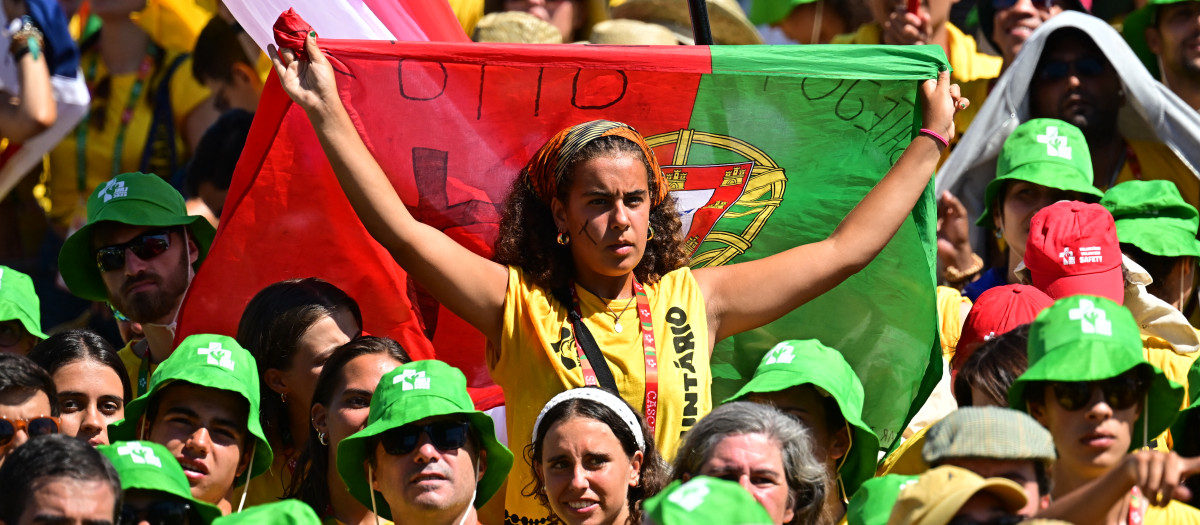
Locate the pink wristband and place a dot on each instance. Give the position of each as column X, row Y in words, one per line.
column 936, row 135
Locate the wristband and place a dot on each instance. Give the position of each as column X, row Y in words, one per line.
column 936, row 136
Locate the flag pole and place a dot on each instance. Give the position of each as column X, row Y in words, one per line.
column 700, row 30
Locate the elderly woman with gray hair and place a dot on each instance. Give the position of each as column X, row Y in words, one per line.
column 766, row 451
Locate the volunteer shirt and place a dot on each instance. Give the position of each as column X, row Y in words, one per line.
column 537, row 359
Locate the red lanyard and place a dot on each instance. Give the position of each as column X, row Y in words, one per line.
column 648, row 351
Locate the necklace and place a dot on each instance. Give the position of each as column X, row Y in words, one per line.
column 617, row 316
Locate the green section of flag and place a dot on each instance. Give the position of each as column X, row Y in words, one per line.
column 833, row 119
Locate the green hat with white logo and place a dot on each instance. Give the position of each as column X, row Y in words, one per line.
column 137, row 199
column 1088, row 338
column 1134, row 30
column 1152, row 215
column 144, row 465
column 873, row 503
column 808, row 362
column 408, row 394
column 210, row 361
column 19, row 302
column 286, row 512
column 1043, row 151
column 702, row 501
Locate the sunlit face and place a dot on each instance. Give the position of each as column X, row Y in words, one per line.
column 587, row 473
column 308, row 358
column 1021, row 472
column 1074, row 82
column 607, row 215
column 69, row 501
column 90, row 396
column 205, row 429
column 1022, row 200
column 1013, row 25
column 754, row 461
column 147, row 290
column 1176, row 39
column 428, row 481
column 21, row 405
column 347, row 412
column 1092, row 440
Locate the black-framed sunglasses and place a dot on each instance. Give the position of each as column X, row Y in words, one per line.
column 445, row 435
column 165, row 512
column 1119, row 392
column 146, row 246
column 1040, row 4
column 36, row 426
column 1053, row 70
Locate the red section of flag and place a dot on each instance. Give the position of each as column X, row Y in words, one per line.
column 435, row 19
column 452, row 125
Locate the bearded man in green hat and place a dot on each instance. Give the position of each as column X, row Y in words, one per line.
column 1088, row 383
column 1163, row 34
column 154, row 488
column 426, row 456
column 138, row 251
column 815, row 384
column 202, row 405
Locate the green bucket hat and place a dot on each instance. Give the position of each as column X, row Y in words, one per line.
column 19, row 302
column 704, row 500
column 410, row 393
column 1179, row 428
column 149, row 466
column 808, row 362
column 873, row 503
column 1088, row 338
column 137, row 199
column 1151, row 215
column 211, row 361
column 1044, row 151
column 1134, row 31
column 770, row 11
column 286, row 512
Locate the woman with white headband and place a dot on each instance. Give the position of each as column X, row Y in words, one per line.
column 593, row 460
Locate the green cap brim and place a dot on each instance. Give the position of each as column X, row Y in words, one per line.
column 1164, row 237
column 1047, row 173
column 353, row 453
column 10, row 311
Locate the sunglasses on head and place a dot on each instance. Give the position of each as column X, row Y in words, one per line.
column 166, row 512
column 146, row 246
column 1120, row 392
column 1059, row 69
column 38, row 426
column 445, row 435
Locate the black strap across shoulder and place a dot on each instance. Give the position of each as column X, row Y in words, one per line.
column 584, row 337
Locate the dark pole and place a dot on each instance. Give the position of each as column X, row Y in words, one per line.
column 700, row 30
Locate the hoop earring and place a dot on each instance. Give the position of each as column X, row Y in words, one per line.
column 323, row 438
column 563, row 238
column 651, row 236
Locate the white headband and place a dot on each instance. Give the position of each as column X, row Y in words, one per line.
column 603, row 397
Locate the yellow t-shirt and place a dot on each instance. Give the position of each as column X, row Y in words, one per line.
column 537, row 360
column 950, row 304
column 1175, row 513
column 62, row 185
column 1157, row 162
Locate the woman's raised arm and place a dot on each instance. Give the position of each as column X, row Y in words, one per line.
column 786, row 280
column 471, row 286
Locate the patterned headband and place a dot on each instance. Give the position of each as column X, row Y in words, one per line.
column 548, row 166
column 603, row 397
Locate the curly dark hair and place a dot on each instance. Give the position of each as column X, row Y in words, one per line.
column 527, row 229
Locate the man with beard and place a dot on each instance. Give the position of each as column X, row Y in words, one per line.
column 138, row 251
column 1165, row 34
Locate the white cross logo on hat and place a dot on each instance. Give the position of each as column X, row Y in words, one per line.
column 690, row 495
column 117, row 189
column 1092, row 319
column 782, row 354
column 1068, row 257
column 217, row 356
column 1056, row 145
column 141, row 455
column 419, row 381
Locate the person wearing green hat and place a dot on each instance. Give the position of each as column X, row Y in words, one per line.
column 1157, row 229
column 20, row 319
column 1042, row 162
column 425, row 456
column 202, row 405
column 814, row 383
column 873, row 503
column 703, row 500
column 807, row 21
column 138, row 251
column 153, row 486
column 1088, row 383
column 1162, row 34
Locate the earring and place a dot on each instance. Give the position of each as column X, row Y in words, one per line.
column 563, row 238
column 323, row 438
column 999, row 233
column 283, row 398
column 651, row 235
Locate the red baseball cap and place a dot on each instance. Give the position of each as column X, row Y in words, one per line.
column 997, row 311
column 1072, row 249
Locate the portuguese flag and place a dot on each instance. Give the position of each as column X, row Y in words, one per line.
column 765, row 148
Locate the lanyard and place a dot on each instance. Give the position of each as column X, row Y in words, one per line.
column 81, row 131
column 1137, row 507
column 648, row 352
column 144, row 372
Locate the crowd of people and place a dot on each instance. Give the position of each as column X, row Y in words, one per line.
column 1067, row 132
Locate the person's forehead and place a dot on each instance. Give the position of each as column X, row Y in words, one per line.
column 1070, row 44
column 204, row 401
column 89, row 499
column 109, row 232
column 20, row 403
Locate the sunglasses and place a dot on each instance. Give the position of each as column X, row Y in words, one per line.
column 146, row 246
column 445, row 435
column 167, row 512
column 1039, row 4
column 38, row 426
column 1120, row 392
column 1053, row 70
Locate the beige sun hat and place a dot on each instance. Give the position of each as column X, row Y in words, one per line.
column 627, row 32
column 726, row 19
column 516, row 27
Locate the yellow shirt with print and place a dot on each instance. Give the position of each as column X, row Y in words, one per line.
column 63, row 184
column 537, row 359
column 1175, row 513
